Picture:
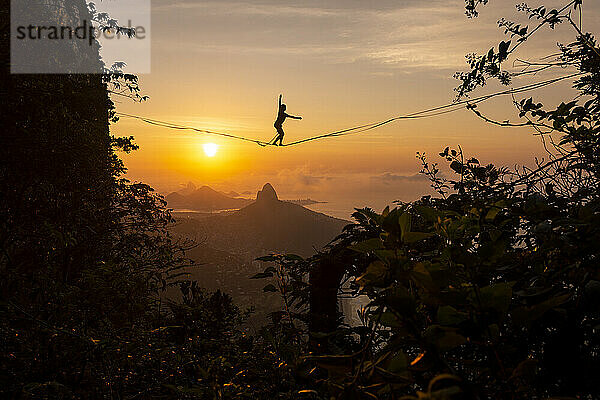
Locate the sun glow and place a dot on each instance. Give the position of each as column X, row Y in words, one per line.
column 210, row 149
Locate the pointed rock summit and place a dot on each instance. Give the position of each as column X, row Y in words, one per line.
column 267, row 194
column 267, row 224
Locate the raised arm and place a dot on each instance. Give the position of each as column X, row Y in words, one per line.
column 280, row 96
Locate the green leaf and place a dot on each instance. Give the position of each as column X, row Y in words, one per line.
column 428, row 213
column 262, row 275
column 307, row 391
column 400, row 300
column 446, row 393
column 503, row 50
column 367, row 245
column 527, row 369
column 496, row 297
column 412, row 237
column 269, row 269
column 398, row 363
column 374, row 275
column 421, row 276
column 443, row 338
column 389, row 319
column 270, row 288
column 267, row 258
column 386, row 256
column 495, row 234
column 456, row 167
column 405, row 222
column 448, row 315
column 526, row 315
column 491, row 214
column 385, row 211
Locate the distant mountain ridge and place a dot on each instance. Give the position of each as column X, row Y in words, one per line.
column 266, row 225
column 206, row 199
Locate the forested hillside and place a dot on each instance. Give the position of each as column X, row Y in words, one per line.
column 86, row 255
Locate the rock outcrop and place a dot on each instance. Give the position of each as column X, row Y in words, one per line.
column 267, row 193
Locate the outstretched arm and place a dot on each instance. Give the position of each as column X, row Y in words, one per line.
column 292, row 116
column 280, row 96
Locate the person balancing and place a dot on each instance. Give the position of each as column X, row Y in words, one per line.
column 281, row 116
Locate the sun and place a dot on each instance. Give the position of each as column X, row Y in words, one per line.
column 210, row 149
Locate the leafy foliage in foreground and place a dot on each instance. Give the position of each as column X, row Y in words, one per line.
column 86, row 257
column 491, row 288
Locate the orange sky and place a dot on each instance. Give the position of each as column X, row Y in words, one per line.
column 221, row 65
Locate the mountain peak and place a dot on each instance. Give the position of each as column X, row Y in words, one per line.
column 267, row 193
